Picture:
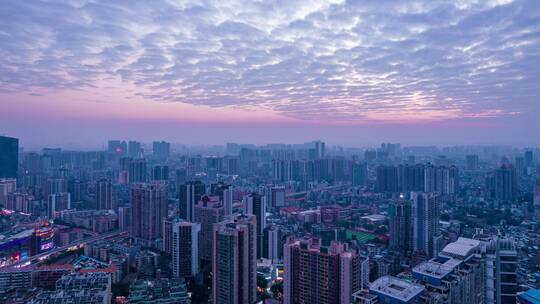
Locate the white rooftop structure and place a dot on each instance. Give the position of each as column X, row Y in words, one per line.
column 4, row 238
column 437, row 268
column 374, row 217
column 396, row 288
column 461, row 249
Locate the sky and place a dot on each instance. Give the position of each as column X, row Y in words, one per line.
column 76, row 73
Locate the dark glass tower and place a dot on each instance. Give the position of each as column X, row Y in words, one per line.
column 9, row 157
column 190, row 194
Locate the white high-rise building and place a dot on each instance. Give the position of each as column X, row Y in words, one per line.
column 124, row 218
column 273, row 238
column 228, row 200
column 104, row 197
column 58, row 202
column 7, row 186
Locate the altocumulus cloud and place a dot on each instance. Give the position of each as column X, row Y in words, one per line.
column 341, row 60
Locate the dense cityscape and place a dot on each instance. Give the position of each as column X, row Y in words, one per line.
column 270, row 152
column 277, row 223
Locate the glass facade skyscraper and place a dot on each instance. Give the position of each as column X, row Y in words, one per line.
column 9, row 157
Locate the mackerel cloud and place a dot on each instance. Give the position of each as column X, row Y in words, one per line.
column 341, row 60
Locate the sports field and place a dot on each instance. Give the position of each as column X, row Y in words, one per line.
column 360, row 236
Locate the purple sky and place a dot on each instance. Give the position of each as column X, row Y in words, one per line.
column 76, row 73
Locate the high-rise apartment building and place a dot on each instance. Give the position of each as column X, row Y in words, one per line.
column 21, row 202
column 194, row 165
column 521, row 169
column 441, row 179
column 208, row 212
column 277, row 197
column 104, row 197
column 58, row 202
column 148, row 210
column 7, row 186
column 77, row 188
column 232, row 165
column 317, row 274
column 501, row 269
column 214, row 165
column 160, row 173
column 411, row 177
column 235, row 261
column 400, row 224
column 132, row 170
column 181, row 241
column 161, row 150
column 272, row 244
column 124, row 218
column 137, row 171
column 425, row 216
column 228, row 200
column 359, row 174
column 167, row 233
column 405, row 178
column 54, row 186
column 320, row 148
column 506, row 271
column 135, row 149
column 282, row 170
column 387, row 179
column 505, row 183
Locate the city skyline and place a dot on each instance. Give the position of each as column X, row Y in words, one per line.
column 270, row 151
column 290, row 224
column 347, row 73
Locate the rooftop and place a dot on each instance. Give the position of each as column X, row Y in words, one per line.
column 531, row 296
column 85, row 262
column 374, row 217
column 396, row 288
column 16, row 233
column 461, row 248
column 438, row 267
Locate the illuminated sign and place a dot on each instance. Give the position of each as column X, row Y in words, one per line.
column 47, row 246
column 44, row 233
